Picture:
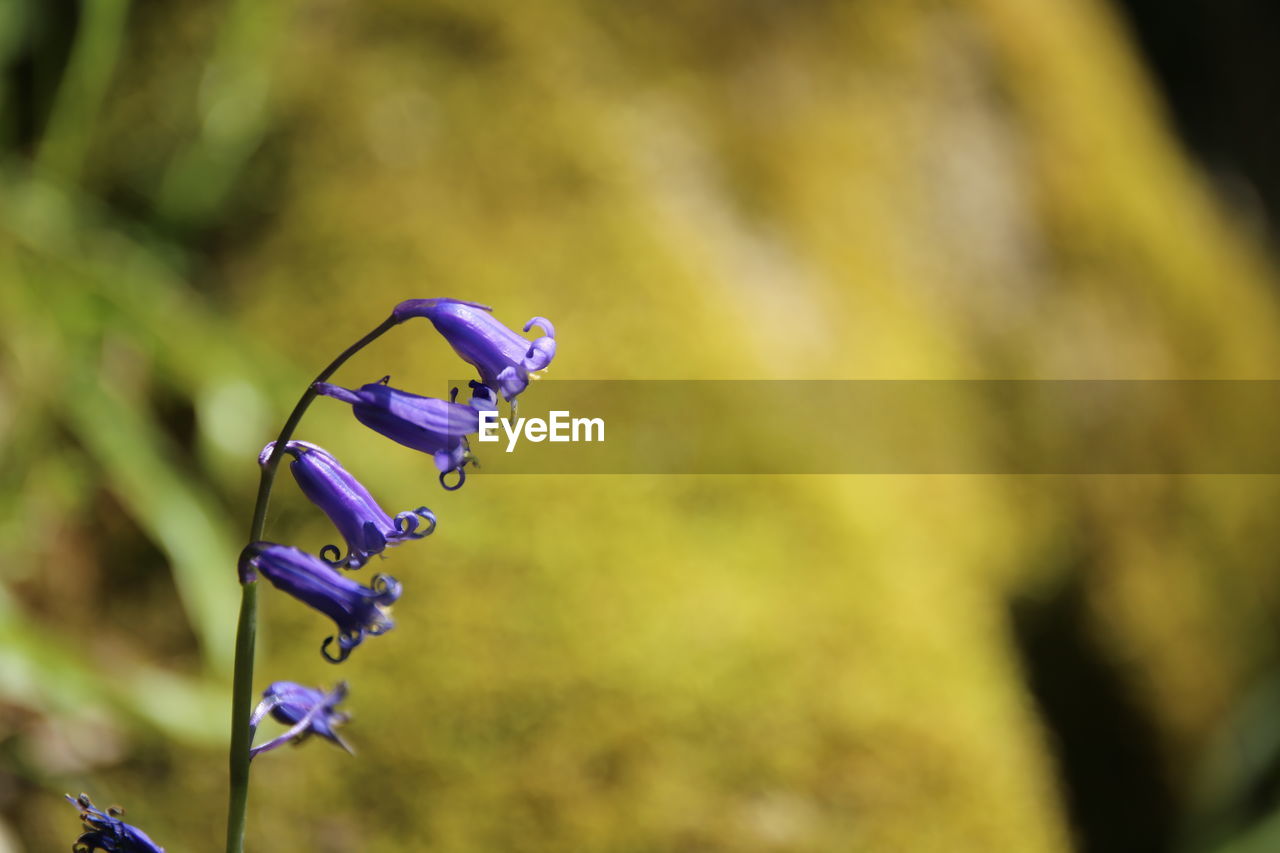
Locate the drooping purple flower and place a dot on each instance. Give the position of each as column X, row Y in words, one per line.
column 306, row 710
column 358, row 517
column 433, row 426
column 356, row 610
column 106, row 831
column 504, row 358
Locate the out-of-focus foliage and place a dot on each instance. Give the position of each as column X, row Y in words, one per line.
column 124, row 399
column 202, row 200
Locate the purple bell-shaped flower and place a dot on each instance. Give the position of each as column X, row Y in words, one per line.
column 357, row 610
column 504, row 358
column 433, row 426
column 362, row 522
column 306, row 710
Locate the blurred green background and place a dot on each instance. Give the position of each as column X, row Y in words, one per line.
column 201, row 203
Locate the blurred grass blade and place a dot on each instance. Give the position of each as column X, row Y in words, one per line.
column 37, row 670
column 234, row 110
column 182, row 521
column 84, row 85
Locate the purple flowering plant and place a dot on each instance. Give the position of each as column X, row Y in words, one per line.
column 506, row 362
column 436, row 427
column 361, row 521
column 306, row 710
column 106, row 831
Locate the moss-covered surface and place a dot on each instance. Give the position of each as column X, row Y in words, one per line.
column 733, row 190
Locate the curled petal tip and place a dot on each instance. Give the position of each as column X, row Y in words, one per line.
column 540, row 353
column 408, row 522
column 387, row 588
column 543, row 323
column 343, row 649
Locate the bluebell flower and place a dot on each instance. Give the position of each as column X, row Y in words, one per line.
column 437, row 427
column 306, row 710
column 504, row 358
column 356, row 610
column 358, row 517
column 106, row 831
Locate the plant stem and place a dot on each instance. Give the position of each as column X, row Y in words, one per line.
column 247, row 628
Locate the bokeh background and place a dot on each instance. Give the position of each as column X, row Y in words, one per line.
column 202, row 202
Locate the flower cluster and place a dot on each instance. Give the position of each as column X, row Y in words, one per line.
column 436, row 427
column 506, row 362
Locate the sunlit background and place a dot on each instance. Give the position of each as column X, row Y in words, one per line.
column 201, row 203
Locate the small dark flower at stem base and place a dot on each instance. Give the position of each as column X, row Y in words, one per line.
column 361, row 521
column 306, row 710
column 106, row 831
column 504, row 358
column 356, row 610
column 433, row 426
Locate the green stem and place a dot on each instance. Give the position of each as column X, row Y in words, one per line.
column 247, row 629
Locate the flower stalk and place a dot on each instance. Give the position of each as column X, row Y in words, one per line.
column 506, row 362
column 242, row 694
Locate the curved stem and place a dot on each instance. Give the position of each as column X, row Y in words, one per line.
column 247, row 628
